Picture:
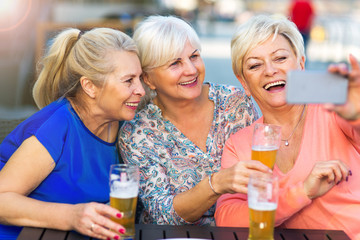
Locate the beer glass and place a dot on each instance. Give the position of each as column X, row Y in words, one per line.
column 265, row 143
column 263, row 190
column 124, row 188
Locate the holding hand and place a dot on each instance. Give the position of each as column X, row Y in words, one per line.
column 351, row 109
column 324, row 176
column 236, row 178
column 93, row 219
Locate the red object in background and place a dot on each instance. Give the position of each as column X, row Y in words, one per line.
column 302, row 14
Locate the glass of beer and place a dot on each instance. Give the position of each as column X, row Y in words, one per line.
column 124, row 188
column 265, row 143
column 263, row 191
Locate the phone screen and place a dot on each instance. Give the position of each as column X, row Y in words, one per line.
column 315, row 87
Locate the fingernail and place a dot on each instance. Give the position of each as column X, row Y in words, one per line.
column 108, row 238
column 350, row 173
column 338, row 183
column 119, row 215
column 347, row 178
column 122, row 230
column 117, row 237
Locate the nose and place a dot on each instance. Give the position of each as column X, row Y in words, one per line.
column 139, row 89
column 190, row 68
column 270, row 69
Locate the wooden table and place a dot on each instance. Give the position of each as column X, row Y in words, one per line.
column 155, row 232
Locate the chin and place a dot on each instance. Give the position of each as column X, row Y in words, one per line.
column 128, row 117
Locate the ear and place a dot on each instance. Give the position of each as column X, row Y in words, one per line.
column 244, row 85
column 302, row 63
column 147, row 81
column 88, row 87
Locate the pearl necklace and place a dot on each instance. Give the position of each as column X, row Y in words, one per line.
column 293, row 131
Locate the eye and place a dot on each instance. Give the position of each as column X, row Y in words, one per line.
column 174, row 63
column 280, row 59
column 194, row 56
column 254, row 66
column 129, row 80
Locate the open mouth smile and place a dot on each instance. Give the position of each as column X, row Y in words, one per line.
column 132, row 104
column 275, row 85
column 189, row 82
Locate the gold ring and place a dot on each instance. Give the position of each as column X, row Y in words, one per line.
column 92, row 227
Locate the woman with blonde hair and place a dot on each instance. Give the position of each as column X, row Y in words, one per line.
column 55, row 165
column 319, row 155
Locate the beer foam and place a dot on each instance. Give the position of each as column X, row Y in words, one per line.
column 264, row 148
column 262, row 206
column 124, row 189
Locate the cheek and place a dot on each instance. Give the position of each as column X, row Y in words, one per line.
column 200, row 66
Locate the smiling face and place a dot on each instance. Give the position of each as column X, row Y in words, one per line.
column 180, row 78
column 121, row 94
column 265, row 68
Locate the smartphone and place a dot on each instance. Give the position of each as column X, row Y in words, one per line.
column 315, row 87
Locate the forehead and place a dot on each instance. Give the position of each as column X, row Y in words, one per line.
column 269, row 46
column 125, row 62
column 187, row 50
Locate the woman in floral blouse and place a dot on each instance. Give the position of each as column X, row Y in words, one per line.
column 178, row 137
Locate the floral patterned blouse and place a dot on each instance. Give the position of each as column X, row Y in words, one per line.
column 170, row 163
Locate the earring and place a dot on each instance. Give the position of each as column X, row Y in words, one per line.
column 248, row 101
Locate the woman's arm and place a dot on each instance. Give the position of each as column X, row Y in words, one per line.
column 232, row 209
column 351, row 109
column 30, row 164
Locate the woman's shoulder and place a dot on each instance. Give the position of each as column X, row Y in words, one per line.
column 54, row 111
column 58, row 114
column 224, row 90
column 228, row 98
column 221, row 93
column 246, row 132
column 44, row 122
column 147, row 118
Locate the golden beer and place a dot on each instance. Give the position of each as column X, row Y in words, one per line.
column 266, row 155
column 128, row 207
column 262, row 221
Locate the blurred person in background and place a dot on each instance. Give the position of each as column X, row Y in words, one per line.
column 55, row 165
column 302, row 13
column 178, row 137
column 320, row 144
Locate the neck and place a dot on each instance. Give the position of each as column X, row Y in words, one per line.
column 290, row 121
column 287, row 116
column 179, row 109
column 104, row 129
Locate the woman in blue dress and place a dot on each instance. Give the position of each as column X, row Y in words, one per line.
column 55, row 165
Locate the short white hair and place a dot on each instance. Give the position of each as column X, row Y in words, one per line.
column 259, row 29
column 162, row 38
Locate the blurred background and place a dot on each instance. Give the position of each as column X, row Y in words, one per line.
column 27, row 26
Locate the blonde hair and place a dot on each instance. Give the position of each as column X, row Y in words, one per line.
column 161, row 39
column 256, row 31
column 74, row 54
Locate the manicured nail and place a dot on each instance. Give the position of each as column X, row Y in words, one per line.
column 108, row 238
column 338, row 183
column 119, row 215
column 347, row 178
column 117, row 237
column 350, row 173
column 122, row 230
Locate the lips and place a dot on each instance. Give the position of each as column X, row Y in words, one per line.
column 188, row 82
column 132, row 104
column 275, row 85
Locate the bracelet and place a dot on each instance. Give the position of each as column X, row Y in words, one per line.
column 212, row 188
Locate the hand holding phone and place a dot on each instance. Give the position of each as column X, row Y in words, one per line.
column 315, row 87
